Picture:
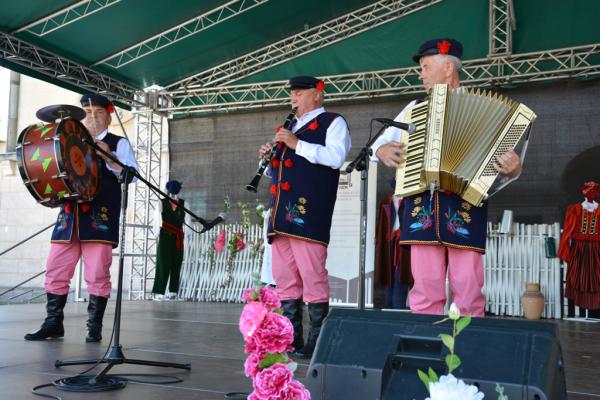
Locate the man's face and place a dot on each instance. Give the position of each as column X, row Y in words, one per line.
column 305, row 100
column 96, row 119
column 433, row 72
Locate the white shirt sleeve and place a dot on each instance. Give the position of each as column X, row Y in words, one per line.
column 391, row 134
column 337, row 145
column 157, row 222
column 124, row 154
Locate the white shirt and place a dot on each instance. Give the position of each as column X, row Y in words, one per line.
column 589, row 206
column 124, row 154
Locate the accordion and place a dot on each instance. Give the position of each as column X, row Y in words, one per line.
column 459, row 133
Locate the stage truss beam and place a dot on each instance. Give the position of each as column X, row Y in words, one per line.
column 302, row 43
column 66, row 16
column 572, row 62
column 142, row 241
column 502, row 23
column 177, row 33
column 62, row 69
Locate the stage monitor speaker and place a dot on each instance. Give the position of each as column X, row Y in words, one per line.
column 365, row 355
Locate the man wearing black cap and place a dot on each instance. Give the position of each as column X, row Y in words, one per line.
column 435, row 249
column 88, row 230
column 305, row 174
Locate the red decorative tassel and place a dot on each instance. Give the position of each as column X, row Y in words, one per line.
column 273, row 189
column 285, row 186
column 68, row 208
column 313, row 125
column 288, row 163
column 85, row 207
column 444, row 46
column 275, row 163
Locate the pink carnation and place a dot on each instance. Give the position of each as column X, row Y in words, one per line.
column 240, row 245
column 252, row 317
column 270, row 382
column 251, row 365
column 220, row 242
column 295, row 391
column 269, row 297
column 274, row 335
column 249, row 295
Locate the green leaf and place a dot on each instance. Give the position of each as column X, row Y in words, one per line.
column 453, row 362
column 448, row 341
column 272, row 359
column 433, row 377
column 462, row 323
column 424, row 378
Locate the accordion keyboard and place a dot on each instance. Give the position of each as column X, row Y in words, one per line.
column 409, row 176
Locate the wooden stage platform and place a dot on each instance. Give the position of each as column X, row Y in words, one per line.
column 203, row 334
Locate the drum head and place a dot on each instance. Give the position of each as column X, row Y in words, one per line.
column 60, row 111
column 79, row 161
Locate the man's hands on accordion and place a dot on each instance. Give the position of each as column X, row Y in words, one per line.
column 392, row 154
column 508, row 164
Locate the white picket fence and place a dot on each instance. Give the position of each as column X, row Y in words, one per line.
column 510, row 262
column 204, row 274
column 513, row 260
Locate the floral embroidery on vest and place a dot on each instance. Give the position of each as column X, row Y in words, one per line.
column 423, row 216
column 294, row 212
column 456, row 221
column 99, row 219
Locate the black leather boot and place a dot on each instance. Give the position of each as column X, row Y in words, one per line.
column 317, row 313
column 96, row 308
column 292, row 310
column 52, row 328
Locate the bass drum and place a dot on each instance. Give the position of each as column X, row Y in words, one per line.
column 55, row 163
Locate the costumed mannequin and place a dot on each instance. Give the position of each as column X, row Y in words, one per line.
column 87, row 230
column 169, row 250
column 580, row 249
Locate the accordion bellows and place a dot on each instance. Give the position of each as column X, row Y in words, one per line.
column 459, row 134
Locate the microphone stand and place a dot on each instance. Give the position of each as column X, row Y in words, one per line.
column 361, row 163
column 101, row 382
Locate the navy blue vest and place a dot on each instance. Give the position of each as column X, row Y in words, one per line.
column 447, row 219
column 98, row 220
column 303, row 193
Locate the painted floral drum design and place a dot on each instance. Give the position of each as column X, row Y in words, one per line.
column 56, row 164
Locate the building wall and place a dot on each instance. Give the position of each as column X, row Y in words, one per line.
column 217, row 156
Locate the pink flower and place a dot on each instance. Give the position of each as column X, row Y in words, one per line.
column 240, row 235
column 251, row 365
column 249, row 295
column 295, row 391
column 252, row 317
column 269, row 297
column 220, row 242
column 269, row 383
column 240, row 245
column 274, row 335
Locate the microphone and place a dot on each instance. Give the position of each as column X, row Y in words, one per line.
column 220, row 218
column 410, row 128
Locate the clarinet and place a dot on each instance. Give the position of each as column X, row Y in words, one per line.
column 266, row 160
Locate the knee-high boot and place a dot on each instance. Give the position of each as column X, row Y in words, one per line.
column 317, row 313
column 292, row 310
column 52, row 327
column 96, row 308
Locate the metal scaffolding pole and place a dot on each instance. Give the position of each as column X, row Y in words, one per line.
column 141, row 240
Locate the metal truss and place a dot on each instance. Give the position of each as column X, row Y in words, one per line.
column 330, row 32
column 62, row 69
column 502, row 22
column 572, row 62
column 65, row 16
column 177, row 33
column 142, row 241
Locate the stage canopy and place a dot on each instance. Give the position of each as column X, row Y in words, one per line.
column 216, row 55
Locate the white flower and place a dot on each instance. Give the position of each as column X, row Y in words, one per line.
column 454, row 312
column 450, row 388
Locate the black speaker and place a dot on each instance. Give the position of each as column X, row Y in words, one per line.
column 364, row 355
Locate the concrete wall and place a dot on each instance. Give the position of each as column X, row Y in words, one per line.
column 217, row 156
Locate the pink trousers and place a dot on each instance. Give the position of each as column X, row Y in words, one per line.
column 429, row 264
column 299, row 270
column 63, row 258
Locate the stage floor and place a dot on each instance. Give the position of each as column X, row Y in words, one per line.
column 203, row 334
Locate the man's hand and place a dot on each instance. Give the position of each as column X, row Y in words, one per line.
column 392, row 154
column 287, row 137
column 103, row 146
column 264, row 149
column 508, row 164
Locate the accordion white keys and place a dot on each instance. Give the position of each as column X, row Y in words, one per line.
column 459, row 134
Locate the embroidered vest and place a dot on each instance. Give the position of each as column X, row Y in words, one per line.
column 304, row 193
column 98, row 220
column 446, row 219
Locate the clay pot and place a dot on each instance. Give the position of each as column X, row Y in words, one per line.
column 533, row 301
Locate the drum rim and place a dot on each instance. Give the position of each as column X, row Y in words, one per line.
column 23, row 171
